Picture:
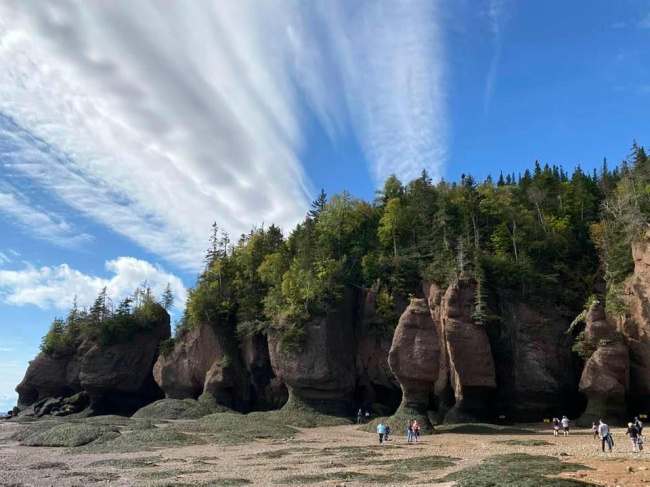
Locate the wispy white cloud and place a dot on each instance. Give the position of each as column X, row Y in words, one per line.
column 6, row 349
column 56, row 287
column 4, row 259
column 389, row 60
column 157, row 117
column 39, row 222
column 498, row 12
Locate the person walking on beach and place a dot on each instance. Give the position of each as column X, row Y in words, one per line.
column 409, row 432
column 565, row 425
column 387, row 433
column 594, row 430
column 605, row 436
column 359, row 416
column 367, row 416
column 639, row 425
column 381, row 431
column 556, row 426
column 416, row 431
column 633, row 431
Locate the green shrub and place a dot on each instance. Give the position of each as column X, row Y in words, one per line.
column 292, row 340
column 166, row 347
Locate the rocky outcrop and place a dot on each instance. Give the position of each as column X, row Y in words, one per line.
column 414, row 357
column 376, row 383
column 49, row 377
column 605, row 378
column 320, row 374
column 267, row 391
column 537, row 372
column 634, row 326
column 204, row 359
column 605, row 383
column 471, row 366
column 117, row 377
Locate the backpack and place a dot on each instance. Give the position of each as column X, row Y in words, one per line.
column 638, row 424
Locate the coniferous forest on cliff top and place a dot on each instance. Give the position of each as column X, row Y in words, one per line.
column 535, row 261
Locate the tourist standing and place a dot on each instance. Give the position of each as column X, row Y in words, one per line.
column 359, row 416
column 409, row 432
column 633, row 431
column 565, row 425
column 605, row 436
column 416, row 431
column 367, row 415
column 594, row 430
column 556, row 426
column 387, row 433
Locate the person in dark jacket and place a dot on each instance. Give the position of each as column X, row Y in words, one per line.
column 633, row 431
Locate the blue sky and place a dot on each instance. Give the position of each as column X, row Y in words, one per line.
column 126, row 129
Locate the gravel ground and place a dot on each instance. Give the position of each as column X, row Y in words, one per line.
column 317, row 451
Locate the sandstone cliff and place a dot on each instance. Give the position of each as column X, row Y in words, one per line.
column 204, row 359
column 117, row 376
column 321, row 374
column 634, row 326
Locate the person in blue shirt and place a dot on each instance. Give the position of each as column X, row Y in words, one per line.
column 381, row 431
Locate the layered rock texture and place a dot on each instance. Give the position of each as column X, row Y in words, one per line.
column 471, row 366
column 117, row 377
column 634, row 326
column 605, row 379
column 437, row 347
column 437, row 363
column 321, row 374
column 205, row 359
column 536, row 370
column 415, row 356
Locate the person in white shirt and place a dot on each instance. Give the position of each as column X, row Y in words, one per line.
column 565, row 425
column 605, row 436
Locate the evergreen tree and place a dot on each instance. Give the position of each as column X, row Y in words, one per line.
column 168, row 298
column 318, row 205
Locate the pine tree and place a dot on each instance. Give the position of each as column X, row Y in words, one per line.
column 212, row 254
column 99, row 310
column 168, row 298
column 124, row 307
column 318, row 205
column 425, row 178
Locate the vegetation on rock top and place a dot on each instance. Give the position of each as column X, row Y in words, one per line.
column 105, row 323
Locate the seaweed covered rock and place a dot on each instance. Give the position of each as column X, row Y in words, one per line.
column 204, row 359
column 415, row 358
column 179, row 409
column 471, row 364
column 320, row 371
